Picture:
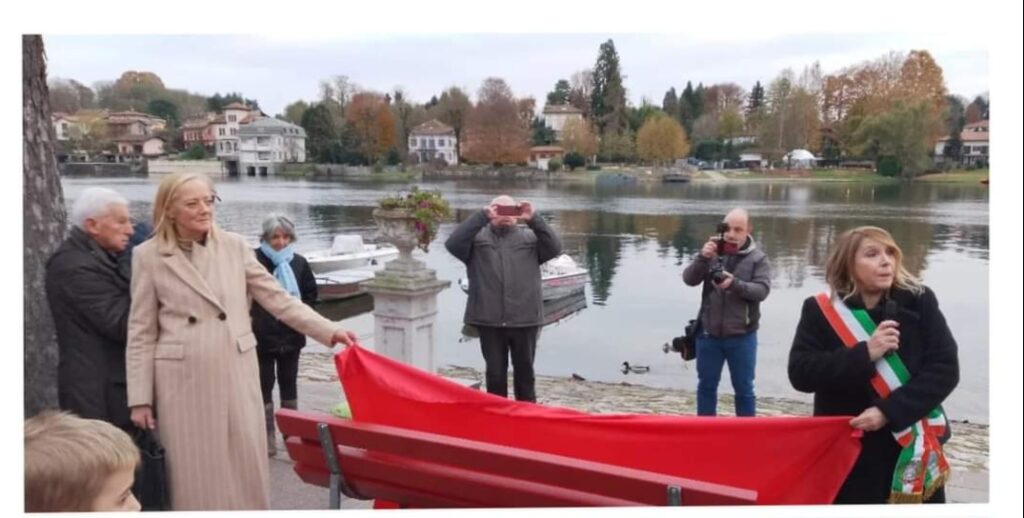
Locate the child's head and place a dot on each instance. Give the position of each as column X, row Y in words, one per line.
column 75, row 464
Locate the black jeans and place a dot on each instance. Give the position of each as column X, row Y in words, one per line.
column 497, row 343
column 287, row 373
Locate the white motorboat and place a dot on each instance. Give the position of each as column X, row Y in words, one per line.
column 348, row 251
column 559, row 278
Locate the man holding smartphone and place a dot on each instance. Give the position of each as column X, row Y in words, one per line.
column 503, row 246
column 736, row 276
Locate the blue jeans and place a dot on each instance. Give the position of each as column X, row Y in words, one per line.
column 740, row 352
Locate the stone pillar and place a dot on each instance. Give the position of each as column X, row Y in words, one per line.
column 404, row 299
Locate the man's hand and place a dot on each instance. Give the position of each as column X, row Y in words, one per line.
column 869, row 420
column 726, row 281
column 710, row 249
column 527, row 214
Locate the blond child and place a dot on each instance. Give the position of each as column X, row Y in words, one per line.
column 75, row 464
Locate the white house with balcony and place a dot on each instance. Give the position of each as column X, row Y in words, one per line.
column 225, row 133
column 974, row 145
column 556, row 115
column 434, row 140
column 265, row 144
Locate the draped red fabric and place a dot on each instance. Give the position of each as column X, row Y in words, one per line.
column 787, row 460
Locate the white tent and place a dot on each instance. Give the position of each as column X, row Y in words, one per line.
column 799, row 158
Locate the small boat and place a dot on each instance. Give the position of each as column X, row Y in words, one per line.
column 342, row 284
column 348, row 251
column 676, row 178
column 560, row 278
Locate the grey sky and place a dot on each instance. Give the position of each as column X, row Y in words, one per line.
column 277, row 70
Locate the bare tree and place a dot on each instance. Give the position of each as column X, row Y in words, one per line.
column 44, row 226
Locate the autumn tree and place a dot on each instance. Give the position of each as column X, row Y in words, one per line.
column 371, row 119
column 577, row 137
column 494, row 128
column 293, row 112
column 661, row 140
column 452, row 108
column 617, row 147
column 69, row 96
column 902, row 133
column 977, row 110
column 43, row 227
column 608, row 97
column 581, row 85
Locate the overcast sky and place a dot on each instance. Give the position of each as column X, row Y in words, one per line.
column 277, row 70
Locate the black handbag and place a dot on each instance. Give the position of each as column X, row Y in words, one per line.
column 150, row 487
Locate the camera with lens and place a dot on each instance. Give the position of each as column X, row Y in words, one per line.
column 685, row 345
column 717, row 271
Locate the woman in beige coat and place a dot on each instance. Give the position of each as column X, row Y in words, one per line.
column 191, row 354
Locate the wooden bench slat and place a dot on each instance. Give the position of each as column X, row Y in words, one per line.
column 375, row 457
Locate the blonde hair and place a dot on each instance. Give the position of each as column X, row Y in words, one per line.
column 68, row 459
column 839, row 266
column 163, row 226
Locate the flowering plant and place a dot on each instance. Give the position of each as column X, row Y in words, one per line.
column 425, row 208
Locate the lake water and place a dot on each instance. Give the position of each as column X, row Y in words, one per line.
column 635, row 241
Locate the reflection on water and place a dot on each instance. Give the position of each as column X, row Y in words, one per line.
column 635, row 241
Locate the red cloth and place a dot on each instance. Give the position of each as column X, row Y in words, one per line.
column 787, row 460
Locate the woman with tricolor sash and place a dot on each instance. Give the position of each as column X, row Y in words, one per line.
column 877, row 347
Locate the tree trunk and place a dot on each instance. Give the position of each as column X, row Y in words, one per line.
column 44, row 226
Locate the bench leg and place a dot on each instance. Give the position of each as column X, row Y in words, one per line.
column 331, row 456
column 675, row 496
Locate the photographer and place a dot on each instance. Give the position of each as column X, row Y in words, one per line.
column 736, row 277
column 503, row 246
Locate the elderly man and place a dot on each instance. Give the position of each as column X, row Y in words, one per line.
column 88, row 291
column 730, row 310
column 503, row 266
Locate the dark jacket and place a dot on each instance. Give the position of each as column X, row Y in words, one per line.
column 274, row 337
column 503, row 267
column 840, row 378
column 89, row 294
column 736, row 310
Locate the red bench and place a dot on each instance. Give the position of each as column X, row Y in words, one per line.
column 418, row 469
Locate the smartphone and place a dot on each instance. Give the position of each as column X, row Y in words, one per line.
column 509, row 210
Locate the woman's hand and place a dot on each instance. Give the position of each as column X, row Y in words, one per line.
column 342, row 336
column 869, row 420
column 886, row 338
column 143, row 418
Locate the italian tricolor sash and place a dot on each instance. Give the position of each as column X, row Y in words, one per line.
column 921, row 468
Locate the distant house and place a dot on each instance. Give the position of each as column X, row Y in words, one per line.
column 752, row 160
column 742, row 139
column 266, row 143
column 139, row 146
column 432, row 140
column 975, row 145
column 225, row 129
column 199, row 131
column 540, row 156
column 556, row 115
column 125, row 123
column 65, row 126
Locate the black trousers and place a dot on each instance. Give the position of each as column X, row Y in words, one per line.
column 497, row 344
column 287, row 365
